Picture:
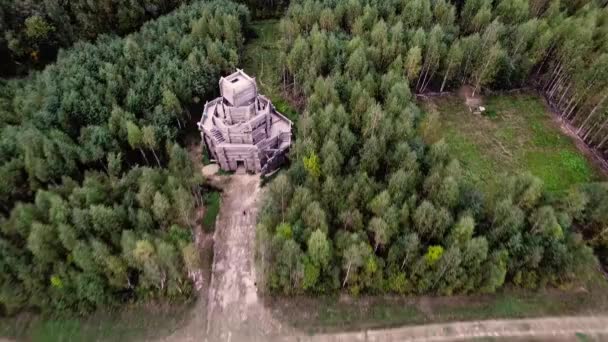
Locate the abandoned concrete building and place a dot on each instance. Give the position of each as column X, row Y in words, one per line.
column 242, row 129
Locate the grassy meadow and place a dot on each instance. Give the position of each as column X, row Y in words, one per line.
column 517, row 134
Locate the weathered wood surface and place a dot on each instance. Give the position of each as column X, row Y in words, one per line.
column 244, row 127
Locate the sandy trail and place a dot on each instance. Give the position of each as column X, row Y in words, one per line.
column 235, row 311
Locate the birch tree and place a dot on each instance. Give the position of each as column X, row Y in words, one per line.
column 474, row 14
column 513, row 12
column 488, row 68
column 444, row 14
column 432, row 57
column 135, row 138
column 353, row 258
column 471, row 49
column 451, row 63
column 381, row 232
column 149, row 140
column 412, row 63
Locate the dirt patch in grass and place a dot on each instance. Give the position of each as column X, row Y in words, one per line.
column 210, row 170
column 472, row 101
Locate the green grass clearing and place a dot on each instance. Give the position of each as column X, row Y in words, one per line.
column 519, row 136
column 136, row 323
column 261, row 60
column 211, row 200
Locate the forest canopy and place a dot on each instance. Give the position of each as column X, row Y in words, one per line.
column 33, row 31
column 97, row 198
column 373, row 202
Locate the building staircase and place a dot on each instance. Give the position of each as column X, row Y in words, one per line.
column 217, row 135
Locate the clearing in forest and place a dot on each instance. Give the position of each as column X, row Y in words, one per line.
column 261, row 58
column 515, row 134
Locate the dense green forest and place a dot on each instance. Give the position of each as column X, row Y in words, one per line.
column 373, row 202
column 33, row 31
column 97, row 199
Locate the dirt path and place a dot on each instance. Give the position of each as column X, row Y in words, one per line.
column 235, row 311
